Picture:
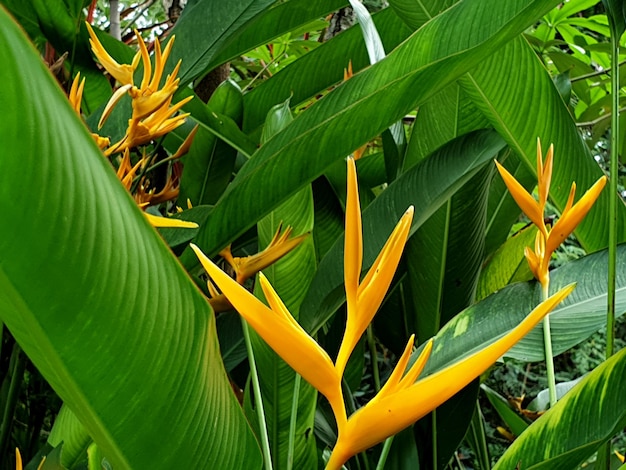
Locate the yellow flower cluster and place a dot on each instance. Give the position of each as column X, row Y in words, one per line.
column 402, row 400
column 548, row 239
column 152, row 117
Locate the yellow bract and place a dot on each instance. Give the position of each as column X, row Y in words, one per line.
column 548, row 239
column 401, row 401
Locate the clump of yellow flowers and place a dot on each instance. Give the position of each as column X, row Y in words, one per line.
column 403, row 399
column 153, row 116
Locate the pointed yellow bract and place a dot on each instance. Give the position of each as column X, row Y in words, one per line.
column 548, row 239
column 248, row 266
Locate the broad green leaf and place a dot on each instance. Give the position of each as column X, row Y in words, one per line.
column 272, row 23
column 425, row 187
column 508, row 98
column 580, row 315
column 289, row 276
column 210, row 162
column 95, row 298
column 321, row 68
column 204, row 27
column 508, row 264
column 564, row 437
column 416, row 13
column 343, row 120
column 68, row 431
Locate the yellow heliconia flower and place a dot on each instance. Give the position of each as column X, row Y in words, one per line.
column 548, row 239
column 248, row 266
column 404, row 402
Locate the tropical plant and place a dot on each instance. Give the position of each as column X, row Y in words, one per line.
column 154, row 367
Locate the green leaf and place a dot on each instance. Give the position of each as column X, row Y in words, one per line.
column 95, row 298
column 210, row 162
column 425, row 187
column 508, row 264
column 564, row 437
column 344, row 119
column 272, row 23
column 68, row 431
column 415, row 14
column 580, row 315
column 321, row 68
column 508, row 97
column 204, row 27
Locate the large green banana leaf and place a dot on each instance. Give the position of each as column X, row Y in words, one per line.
column 93, row 295
column 591, row 413
column 351, row 114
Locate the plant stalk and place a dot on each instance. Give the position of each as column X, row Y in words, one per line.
column 385, row 453
column 256, row 387
column 547, row 347
column 18, row 366
column 374, row 357
column 293, row 420
column 613, row 177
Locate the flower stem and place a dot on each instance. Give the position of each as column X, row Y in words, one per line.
column 293, row 420
column 374, row 357
column 547, row 347
column 385, row 452
column 256, row 387
column 613, row 177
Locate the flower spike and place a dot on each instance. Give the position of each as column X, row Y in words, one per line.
column 123, row 73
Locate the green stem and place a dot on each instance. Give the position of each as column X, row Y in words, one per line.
column 385, row 452
column 293, row 420
column 18, row 365
column 256, row 387
column 547, row 347
column 374, row 357
column 613, row 177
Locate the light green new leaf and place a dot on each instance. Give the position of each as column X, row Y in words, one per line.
column 352, row 114
column 578, row 424
column 94, row 296
column 517, row 95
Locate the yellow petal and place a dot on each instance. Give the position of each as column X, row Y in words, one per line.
column 186, row 145
column 525, row 201
column 285, row 337
column 544, row 174
column 573, row 215
column 417, row 367
column 123, row 73
column 18, row 459
column 385, row 417
column 157, row 221
column 353, row 245
column 76, row 93
column 145, row 59
column 115, row 98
